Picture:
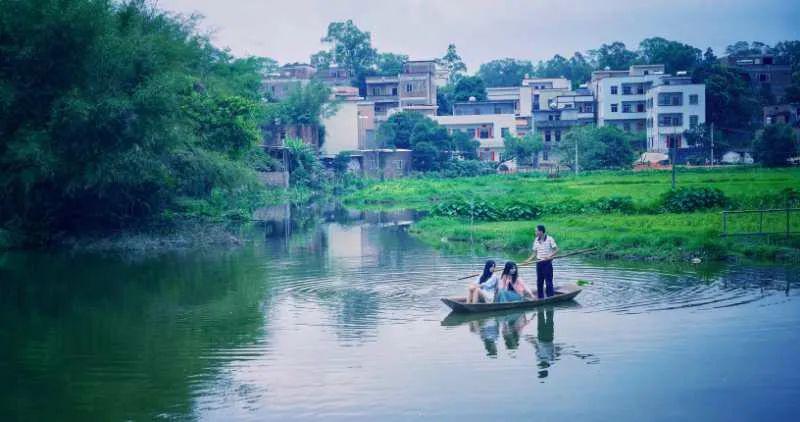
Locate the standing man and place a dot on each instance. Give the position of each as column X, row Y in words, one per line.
column 544, row 250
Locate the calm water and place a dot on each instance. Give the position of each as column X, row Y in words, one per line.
column 343, row 321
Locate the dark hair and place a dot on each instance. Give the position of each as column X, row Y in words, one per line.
column 487, row 271
column 507, row 271
column 541, row 228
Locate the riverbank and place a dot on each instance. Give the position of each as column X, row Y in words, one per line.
column 625, row 215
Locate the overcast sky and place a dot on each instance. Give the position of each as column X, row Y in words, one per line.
column 290, row 30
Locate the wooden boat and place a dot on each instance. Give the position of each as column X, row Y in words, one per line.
column 564, row 293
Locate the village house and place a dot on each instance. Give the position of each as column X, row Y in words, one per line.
column 644, row 99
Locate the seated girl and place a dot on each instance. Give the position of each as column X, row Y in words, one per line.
column 482, row 291
column 511, row 288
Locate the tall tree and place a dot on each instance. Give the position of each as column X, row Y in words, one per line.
column 614, row 56
column 789, row 52
column 744, row 48
column 469, row 86
column 388, row 64
column 350, row 48
column 505, row 72
column 730, row 102
column 453, row 63
column 114, row 112
column 598, row 148
column 673, row 55
column 577, row 69
column 775, row 145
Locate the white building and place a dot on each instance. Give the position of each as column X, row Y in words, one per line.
column 487, row 129
column 645, row 99
column 674, row 105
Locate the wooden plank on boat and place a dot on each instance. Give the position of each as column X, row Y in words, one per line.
column 563, row 293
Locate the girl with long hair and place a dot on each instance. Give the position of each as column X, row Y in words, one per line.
column 483, row 289
column 511, row 288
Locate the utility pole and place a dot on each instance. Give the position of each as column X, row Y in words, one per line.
column 576, row 156
column 712, row 144
column 674, row 159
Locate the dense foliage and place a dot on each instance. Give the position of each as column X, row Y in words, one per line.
column 775, row 145
column 505, row 72
column 524, row 149
column 112, row 113
column 690, row 199
column 432, row 146
column 605, row 147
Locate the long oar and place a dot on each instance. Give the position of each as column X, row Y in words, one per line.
column 525, row 263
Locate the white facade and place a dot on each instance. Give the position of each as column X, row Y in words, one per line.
column 521, row 95
column 488, row 130
column 341, row 129
column 672, row 110
column 629, row 99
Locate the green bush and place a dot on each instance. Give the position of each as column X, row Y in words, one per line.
column 693, row 199
column 467, row 168
column 620, row 204
column 485, row 210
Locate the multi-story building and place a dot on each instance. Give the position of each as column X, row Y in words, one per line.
column 413, row 89
column 294, row 75
column 674, row 105
column 565, row 111
column 763, row 72
column 544, row 90
column 645, row 99
column 488, row 129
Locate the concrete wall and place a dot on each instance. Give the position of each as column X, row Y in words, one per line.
column 341, row 129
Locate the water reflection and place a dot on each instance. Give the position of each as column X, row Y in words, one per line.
column 506, row 329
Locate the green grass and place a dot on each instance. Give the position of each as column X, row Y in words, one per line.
column 647, row 234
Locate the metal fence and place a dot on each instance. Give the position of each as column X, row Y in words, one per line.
column 774, row 221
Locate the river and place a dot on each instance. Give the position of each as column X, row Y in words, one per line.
column 341, row 319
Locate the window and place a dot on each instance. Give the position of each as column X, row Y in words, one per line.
column 550, row 117
column 471, row 133
column 693, row 121
column 497, row 110
column 504, row 132
column 613, row 90
column 398, row 164
column 409, row 87
column 670, row 99
column 763, row 77
column 547, row 136
column 376, row 91
column 640, row 107
column 558, row 136
column 394, row 91
column 639, row 126
column 693, row 99
column 556, row 117
column 626, row 127
column 670, row 120
column 640, row 89
column 613, row 108
column 626, row 90
column 484, row 133
column 544, row 155
column 626, row 107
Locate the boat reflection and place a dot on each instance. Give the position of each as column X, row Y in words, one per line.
column 512, row 326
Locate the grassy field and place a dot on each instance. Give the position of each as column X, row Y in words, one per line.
column 644, row 232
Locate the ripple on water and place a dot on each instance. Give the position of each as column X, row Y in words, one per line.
column 406, row 295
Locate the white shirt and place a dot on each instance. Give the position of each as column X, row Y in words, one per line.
column 544, row 248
